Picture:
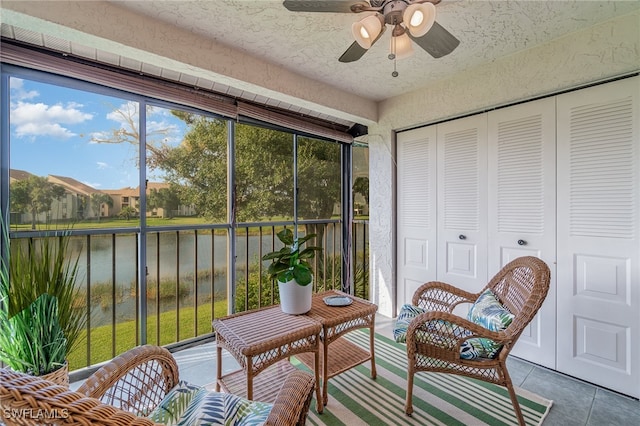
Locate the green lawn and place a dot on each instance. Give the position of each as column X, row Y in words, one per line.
column 131, row 223
column 102, row 338
column 115, row 223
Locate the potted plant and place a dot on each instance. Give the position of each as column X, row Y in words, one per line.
column 291, row 268
column 39, row 320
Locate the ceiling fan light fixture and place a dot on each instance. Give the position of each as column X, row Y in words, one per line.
column 401, row 46
column 366, row 30
column 419, row 18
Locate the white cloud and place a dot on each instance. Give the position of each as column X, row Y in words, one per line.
column 17, row 90
column 35, row 119
column 102, row 165
column 125, row 114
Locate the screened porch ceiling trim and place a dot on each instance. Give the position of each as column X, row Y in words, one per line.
column 110, row 76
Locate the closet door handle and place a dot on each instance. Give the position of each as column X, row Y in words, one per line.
column 462, row 237
column 522, row 243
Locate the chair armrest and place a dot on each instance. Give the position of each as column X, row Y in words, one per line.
column 135, row 381
column 29, row 400
column 440, row 334
column 439, row 296
column 292, row 402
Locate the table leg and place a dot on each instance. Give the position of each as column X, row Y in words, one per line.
column 371, row 349
column 325, row 372
column 250, row 378
column 320, row 400
column 218, row 366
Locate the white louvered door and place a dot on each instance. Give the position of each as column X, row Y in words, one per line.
column 462, row 202
column 599, row 235
column 522, row 207
column 416, row 192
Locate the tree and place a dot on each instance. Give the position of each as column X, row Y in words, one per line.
column 127, row 212
column 34, row 195
column 361, row 186
column 128, row 132
column 263, row 170
column 319, row 177
column 167, row 199
column 97, row 200
column 263, row 187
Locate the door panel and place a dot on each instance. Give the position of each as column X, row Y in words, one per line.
column 462, row 208
column 522, row 208
column 599, row 235
column 416, row 188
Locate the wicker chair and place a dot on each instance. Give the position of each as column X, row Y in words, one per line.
column 521, row 287
column 132, row 383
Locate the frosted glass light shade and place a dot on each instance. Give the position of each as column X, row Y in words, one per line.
column 366, row 30
column 419, row 18
column 403, row 46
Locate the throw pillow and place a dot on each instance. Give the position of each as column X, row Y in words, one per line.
column 217, row 408
column 440, row 333
column 489, row 313
column 407, row 313
column 187, row 404
column 175, row 403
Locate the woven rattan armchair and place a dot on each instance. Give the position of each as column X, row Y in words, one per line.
column 521, row 287
column 122, row 391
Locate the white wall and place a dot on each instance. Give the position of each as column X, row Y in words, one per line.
column 604, row 51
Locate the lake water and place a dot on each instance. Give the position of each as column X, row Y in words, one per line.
column 173, row 256
column 169, row 255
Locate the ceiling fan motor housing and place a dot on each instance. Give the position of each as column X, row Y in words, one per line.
column 393, row 12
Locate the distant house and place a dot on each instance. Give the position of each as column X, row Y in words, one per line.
column 77, row 203
column 124, row 197
column 130, row 197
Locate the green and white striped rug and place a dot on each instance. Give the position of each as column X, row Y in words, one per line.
column 438, row 399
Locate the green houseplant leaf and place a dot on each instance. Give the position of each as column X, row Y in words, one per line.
column 39, row 319
column 290, row 261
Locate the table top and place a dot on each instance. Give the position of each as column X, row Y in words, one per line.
column 256, row 331
column 330, row 316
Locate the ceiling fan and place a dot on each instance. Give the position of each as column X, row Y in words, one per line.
column 410, row 19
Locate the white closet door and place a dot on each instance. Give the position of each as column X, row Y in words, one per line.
column 599, row 235
column 416, row 192
column 522, row 207
column 462, row 202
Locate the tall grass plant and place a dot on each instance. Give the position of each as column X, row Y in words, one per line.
column 39, row 322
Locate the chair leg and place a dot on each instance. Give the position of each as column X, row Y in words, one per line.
column 514, row 401
column 408, row 406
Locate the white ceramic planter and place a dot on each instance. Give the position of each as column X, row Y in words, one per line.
column 295, row 299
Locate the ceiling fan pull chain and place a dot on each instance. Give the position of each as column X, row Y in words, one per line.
column 393, row 56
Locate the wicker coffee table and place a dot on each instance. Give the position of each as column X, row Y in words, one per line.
column 338, row 354
column 262, row 341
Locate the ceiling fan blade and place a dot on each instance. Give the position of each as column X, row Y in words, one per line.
column 353, row 53
column 335, row 6
column 438, row 42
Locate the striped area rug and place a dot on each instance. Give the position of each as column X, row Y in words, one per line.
column 438, row 399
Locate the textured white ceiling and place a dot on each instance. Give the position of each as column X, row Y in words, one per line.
column 309, row 44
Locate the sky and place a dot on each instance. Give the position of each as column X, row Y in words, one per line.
column 54, row 130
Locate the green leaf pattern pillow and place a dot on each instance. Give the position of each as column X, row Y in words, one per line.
column 486, row 312
column 489, row 313
column 175, row 403
column 187, row 404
